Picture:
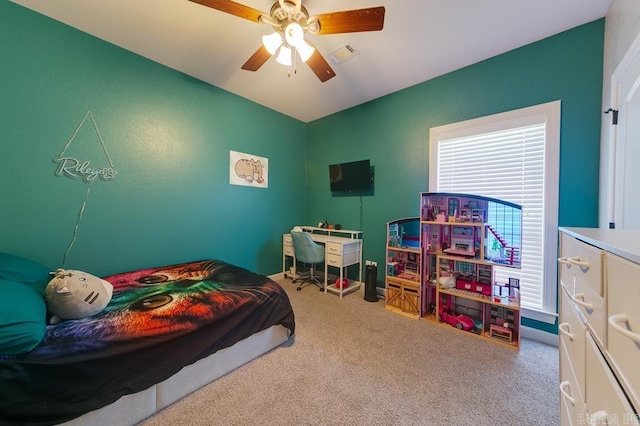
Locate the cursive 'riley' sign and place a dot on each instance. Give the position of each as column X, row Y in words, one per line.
column 73, row 168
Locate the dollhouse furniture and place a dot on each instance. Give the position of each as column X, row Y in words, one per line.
column 598, row 326
column 500, row 332
column 457, row 243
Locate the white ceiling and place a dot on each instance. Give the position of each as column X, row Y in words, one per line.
column 421, row 39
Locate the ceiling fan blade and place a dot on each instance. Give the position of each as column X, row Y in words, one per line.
column 257, row 59
column 232, row 8
column 320, row 67
column 352, row 21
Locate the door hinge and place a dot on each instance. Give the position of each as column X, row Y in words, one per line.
column 614, row 117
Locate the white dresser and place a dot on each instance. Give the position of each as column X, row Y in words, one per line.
column 599, row 326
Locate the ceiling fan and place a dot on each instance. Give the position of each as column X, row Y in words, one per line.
column 290, row 21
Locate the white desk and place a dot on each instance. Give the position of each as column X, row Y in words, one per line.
column 342, row 248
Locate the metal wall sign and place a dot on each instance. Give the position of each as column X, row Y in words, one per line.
column 73, row 168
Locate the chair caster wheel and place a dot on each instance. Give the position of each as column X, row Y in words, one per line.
column 321, row 289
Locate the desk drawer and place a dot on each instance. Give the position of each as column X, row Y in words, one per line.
column 334, row 248
column 344, row 248
column 288, row 250
column 287, row 240
column 345, row 260
column 334, row 260
column 623, row 333
column 572, row 333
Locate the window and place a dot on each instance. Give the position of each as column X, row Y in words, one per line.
column 512, row 156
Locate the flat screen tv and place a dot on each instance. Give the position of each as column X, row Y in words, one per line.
column 350, row 177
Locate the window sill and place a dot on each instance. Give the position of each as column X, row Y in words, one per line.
column 545, row 317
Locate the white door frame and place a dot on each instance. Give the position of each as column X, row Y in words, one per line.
column 616, row 149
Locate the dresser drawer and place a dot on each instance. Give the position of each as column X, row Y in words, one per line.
column 565, row 414
column 571, row 398
column 581, row 272
column 572, row 333
column 606, row 402
column 581, row 266
column 623, row 333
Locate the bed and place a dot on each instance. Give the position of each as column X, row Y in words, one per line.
column 166, row 332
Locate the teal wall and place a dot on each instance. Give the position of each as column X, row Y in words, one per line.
column 168, row 136
column 393, row 132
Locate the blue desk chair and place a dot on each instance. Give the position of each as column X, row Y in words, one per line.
column 307, row 251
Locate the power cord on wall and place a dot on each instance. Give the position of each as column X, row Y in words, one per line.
column 361, row 213
column 75, row 229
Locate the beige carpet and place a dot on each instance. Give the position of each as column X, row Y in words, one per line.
column 354, row 363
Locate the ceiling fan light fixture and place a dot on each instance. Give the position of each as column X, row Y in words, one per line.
column 293, row 34
column 305, row 50
column 284, row 57
column 313, row 25
column 271, row 42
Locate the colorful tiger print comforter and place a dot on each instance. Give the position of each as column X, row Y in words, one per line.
column 158, row 321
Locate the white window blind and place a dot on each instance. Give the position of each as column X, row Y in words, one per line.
column 509, row 164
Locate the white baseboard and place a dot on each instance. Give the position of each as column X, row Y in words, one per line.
column 539, row 336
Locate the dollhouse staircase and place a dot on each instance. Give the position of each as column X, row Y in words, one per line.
column 512, row 254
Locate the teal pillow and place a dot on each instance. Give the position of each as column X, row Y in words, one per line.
column 22, row 270
column 22, row 318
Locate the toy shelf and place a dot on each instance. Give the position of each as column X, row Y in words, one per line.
column 404, row 267
column 405, row 249
column 471, row 295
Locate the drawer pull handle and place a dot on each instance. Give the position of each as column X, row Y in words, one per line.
column 616, row 320
column 562, row 327
column 564, row 392
column 574, row 261
column 578, row 298
column 599, row 418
